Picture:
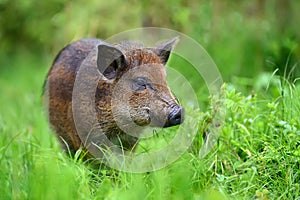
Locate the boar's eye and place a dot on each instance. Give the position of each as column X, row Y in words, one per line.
column 139, row 84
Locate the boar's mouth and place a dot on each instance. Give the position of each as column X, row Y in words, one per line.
column 175, row 117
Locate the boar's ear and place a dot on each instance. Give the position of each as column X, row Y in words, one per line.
column 110, row 60
column 163, row 50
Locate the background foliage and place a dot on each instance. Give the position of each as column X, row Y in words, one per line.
column 244, row 38
column 255, row 44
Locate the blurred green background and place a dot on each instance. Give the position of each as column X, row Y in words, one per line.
column 243, row 37
column 250, row 41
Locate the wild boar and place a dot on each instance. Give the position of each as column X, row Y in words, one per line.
column 128, row 74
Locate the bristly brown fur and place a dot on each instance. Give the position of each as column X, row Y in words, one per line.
column 145, row 106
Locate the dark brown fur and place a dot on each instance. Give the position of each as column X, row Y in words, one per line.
column 150, row 106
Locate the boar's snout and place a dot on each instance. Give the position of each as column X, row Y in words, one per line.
column 175, row 117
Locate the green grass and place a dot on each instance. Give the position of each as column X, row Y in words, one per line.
column 256, row 157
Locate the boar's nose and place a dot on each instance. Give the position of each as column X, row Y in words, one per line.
column 176, row 116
